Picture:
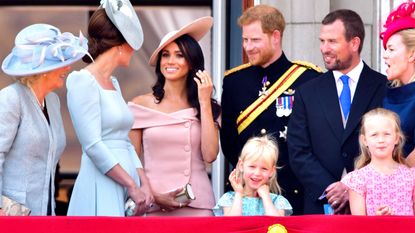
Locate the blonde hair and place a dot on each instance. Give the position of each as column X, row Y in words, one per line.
column 271, row 18
column 408, row 39
column 397, row 154
column 28, row 80
column 263, row 147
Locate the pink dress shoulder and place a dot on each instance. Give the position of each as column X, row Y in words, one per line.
column 172, row 153
column 395, row 190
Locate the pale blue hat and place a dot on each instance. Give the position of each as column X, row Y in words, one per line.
column 40, row 48
column 123, row 16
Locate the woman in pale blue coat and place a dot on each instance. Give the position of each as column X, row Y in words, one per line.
column 110, row 169
column 32, row 136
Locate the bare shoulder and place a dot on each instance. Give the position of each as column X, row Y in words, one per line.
column 145, row 100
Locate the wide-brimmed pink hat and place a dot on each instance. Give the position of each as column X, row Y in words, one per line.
column 398, row 20
column 196, row 29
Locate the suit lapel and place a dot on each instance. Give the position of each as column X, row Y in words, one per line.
column 366, row 87
column 327, row 93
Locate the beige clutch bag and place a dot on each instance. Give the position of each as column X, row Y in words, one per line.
column 186, row 195
column 13, row 208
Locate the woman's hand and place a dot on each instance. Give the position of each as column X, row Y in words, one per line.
column 236, row 183
column 167, row 201
column 149, row 198
column 204, row 86
column 139, row 198
column 383, row 210
column 145, row 187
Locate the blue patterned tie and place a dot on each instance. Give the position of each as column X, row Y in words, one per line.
column 345, row 96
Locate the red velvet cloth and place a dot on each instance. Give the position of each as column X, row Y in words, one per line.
column 294, row 224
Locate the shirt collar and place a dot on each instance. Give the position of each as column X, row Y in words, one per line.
column 354, row 74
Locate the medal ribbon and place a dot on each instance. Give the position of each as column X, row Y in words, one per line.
column 262, row 103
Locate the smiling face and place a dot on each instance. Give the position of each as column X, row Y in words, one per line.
column 260, row 47
column 56, row 78
column 398, row 59
column 173, row 64
column 255, row 174
column 338, row 53
column 380, row 136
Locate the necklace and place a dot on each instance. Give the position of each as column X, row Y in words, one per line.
column 41, row 105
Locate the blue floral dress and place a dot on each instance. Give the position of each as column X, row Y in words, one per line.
column 252, row 206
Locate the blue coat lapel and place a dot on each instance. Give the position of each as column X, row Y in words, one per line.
column 330, row 105
column 365, row 90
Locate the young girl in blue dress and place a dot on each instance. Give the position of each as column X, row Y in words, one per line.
column 254, row 181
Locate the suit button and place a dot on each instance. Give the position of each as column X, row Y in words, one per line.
column 263, row 131
column 344, row 154
column 186, row 125
column 186, row 172
column 295, row 191
column 186, row 148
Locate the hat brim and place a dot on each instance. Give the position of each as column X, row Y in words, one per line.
column 127, row 23
column 17, row 68
column 196, row 29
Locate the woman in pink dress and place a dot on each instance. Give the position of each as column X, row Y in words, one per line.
column 175, row 129
column 382, row 184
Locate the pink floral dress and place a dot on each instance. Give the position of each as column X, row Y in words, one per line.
column 395, row 190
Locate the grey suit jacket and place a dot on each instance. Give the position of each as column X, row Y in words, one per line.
column 29, row 147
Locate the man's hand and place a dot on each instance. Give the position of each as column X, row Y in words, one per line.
column 338, row 197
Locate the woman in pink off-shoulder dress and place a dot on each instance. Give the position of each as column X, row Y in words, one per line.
column 175, row 129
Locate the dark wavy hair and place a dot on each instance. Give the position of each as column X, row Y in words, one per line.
column 193, row 54
column 102, row 35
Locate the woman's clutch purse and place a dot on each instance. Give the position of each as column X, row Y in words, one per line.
column 186, row 195
column 130, row 207
column 13, row 208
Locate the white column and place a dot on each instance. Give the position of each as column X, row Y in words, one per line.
column 218, row 68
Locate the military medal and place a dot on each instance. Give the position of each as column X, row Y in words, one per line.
column 265, row 83
column 284, row 104
column 283, row 134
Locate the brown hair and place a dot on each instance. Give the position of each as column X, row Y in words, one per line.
column 397, row 154
column 102, row 35
column 270, row 17
column 352, row 22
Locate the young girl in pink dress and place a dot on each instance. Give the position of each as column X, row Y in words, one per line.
column 382, row 184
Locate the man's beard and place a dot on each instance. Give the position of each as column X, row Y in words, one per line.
column 339, row 65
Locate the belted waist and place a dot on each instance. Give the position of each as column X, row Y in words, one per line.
column 114, row 143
